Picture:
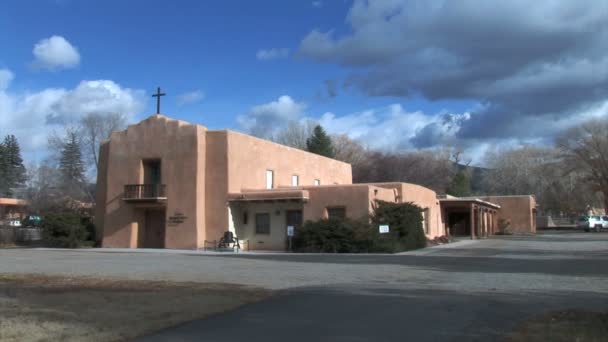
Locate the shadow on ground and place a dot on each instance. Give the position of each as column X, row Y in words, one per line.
column 378, row 314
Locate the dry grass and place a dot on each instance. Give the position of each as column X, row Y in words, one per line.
column 570, row 325
column 36, row 308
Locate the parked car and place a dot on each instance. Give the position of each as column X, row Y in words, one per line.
column 32, row 221
column 14, row 223
column 594, row 222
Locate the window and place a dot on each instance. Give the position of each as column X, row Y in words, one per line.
column 295, row 180
column 269, row 179
column 262, row 223
column 337, row 213
column 317, row 182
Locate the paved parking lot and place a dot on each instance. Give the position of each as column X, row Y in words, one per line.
column 472, row 290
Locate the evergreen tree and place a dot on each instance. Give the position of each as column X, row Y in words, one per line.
column 460, row 185
column 15, row 171
column 71, row 166
column 4, row 184
column 320, row 143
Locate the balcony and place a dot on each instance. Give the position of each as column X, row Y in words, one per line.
column 155, row 193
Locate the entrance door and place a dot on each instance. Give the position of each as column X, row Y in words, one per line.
column 460, row 224
column 154, row 232
column 294, row 218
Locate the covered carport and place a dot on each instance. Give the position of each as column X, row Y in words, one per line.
column 469, row 217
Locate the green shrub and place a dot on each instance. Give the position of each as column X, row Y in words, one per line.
column 332, row 236
column 405, row 222
column 359, row 236
column 65, row 229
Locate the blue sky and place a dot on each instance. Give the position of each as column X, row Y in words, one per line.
column 401, row 79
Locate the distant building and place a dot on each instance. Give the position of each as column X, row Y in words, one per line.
column 12, row 209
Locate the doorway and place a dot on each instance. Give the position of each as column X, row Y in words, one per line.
column 459, row 223
column 294, row 218
column 152, row 169
column 154, row 230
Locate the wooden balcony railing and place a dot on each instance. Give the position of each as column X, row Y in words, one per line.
column 145, row 192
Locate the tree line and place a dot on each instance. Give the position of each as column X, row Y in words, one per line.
column 568, row 178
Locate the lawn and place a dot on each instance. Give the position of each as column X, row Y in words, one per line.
column 36, row 308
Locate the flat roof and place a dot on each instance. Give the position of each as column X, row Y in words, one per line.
column 469, row 200
column 270, row 195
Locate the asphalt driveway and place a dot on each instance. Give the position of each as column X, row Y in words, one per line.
column 465, row 291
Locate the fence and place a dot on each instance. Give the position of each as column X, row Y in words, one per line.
column 20, row 235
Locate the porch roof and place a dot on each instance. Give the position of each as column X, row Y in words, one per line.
column 279, row 195
column 469, row 200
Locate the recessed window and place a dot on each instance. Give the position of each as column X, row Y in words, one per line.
column 317, row 182
column 295, row 180
column 262, row 223
column 269, row 179
column 336, row 213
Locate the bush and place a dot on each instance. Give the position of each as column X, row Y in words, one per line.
column 66, row 229
column 332, row 236
column 352, row 236
column 405, row 222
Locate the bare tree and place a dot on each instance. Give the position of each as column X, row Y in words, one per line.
column 585, row 149
column 542, row 172
column 432, row 169
column 348, row 150
column 295, row 134
column 94, row 129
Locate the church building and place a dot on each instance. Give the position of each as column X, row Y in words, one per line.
column 166, row 183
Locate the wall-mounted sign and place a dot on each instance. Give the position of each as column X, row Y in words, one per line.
column 177, row 218
column 383, row 228
column 290, row 230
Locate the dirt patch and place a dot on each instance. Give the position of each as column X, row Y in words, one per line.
column 38, row 308
column 569, row 325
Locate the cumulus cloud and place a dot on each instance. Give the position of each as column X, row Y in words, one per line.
column 190, row 97
column 274, row 53
column 266, row 119
column 31, row 115
column 525, row 64
column 55, row 53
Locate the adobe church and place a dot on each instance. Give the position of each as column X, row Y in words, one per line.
column 165, row 183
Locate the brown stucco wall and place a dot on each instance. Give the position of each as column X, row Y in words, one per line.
column 177, row 144
column 250, row 157
column 519, row 210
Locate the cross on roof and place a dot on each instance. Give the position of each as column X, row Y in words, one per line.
column 158, row 95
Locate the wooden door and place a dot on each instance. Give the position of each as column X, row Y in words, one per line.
column 154, row 229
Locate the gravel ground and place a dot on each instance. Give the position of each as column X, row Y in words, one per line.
column 470, row 290
column 551, row 261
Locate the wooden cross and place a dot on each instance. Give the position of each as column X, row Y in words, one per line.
column 158, row 95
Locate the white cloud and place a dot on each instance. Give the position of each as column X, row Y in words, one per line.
column 265, row 119
column 274, row 53
column 32, row 115
column 6, row 76
column 55, row 53
column 317, row 4
column 190, row 97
